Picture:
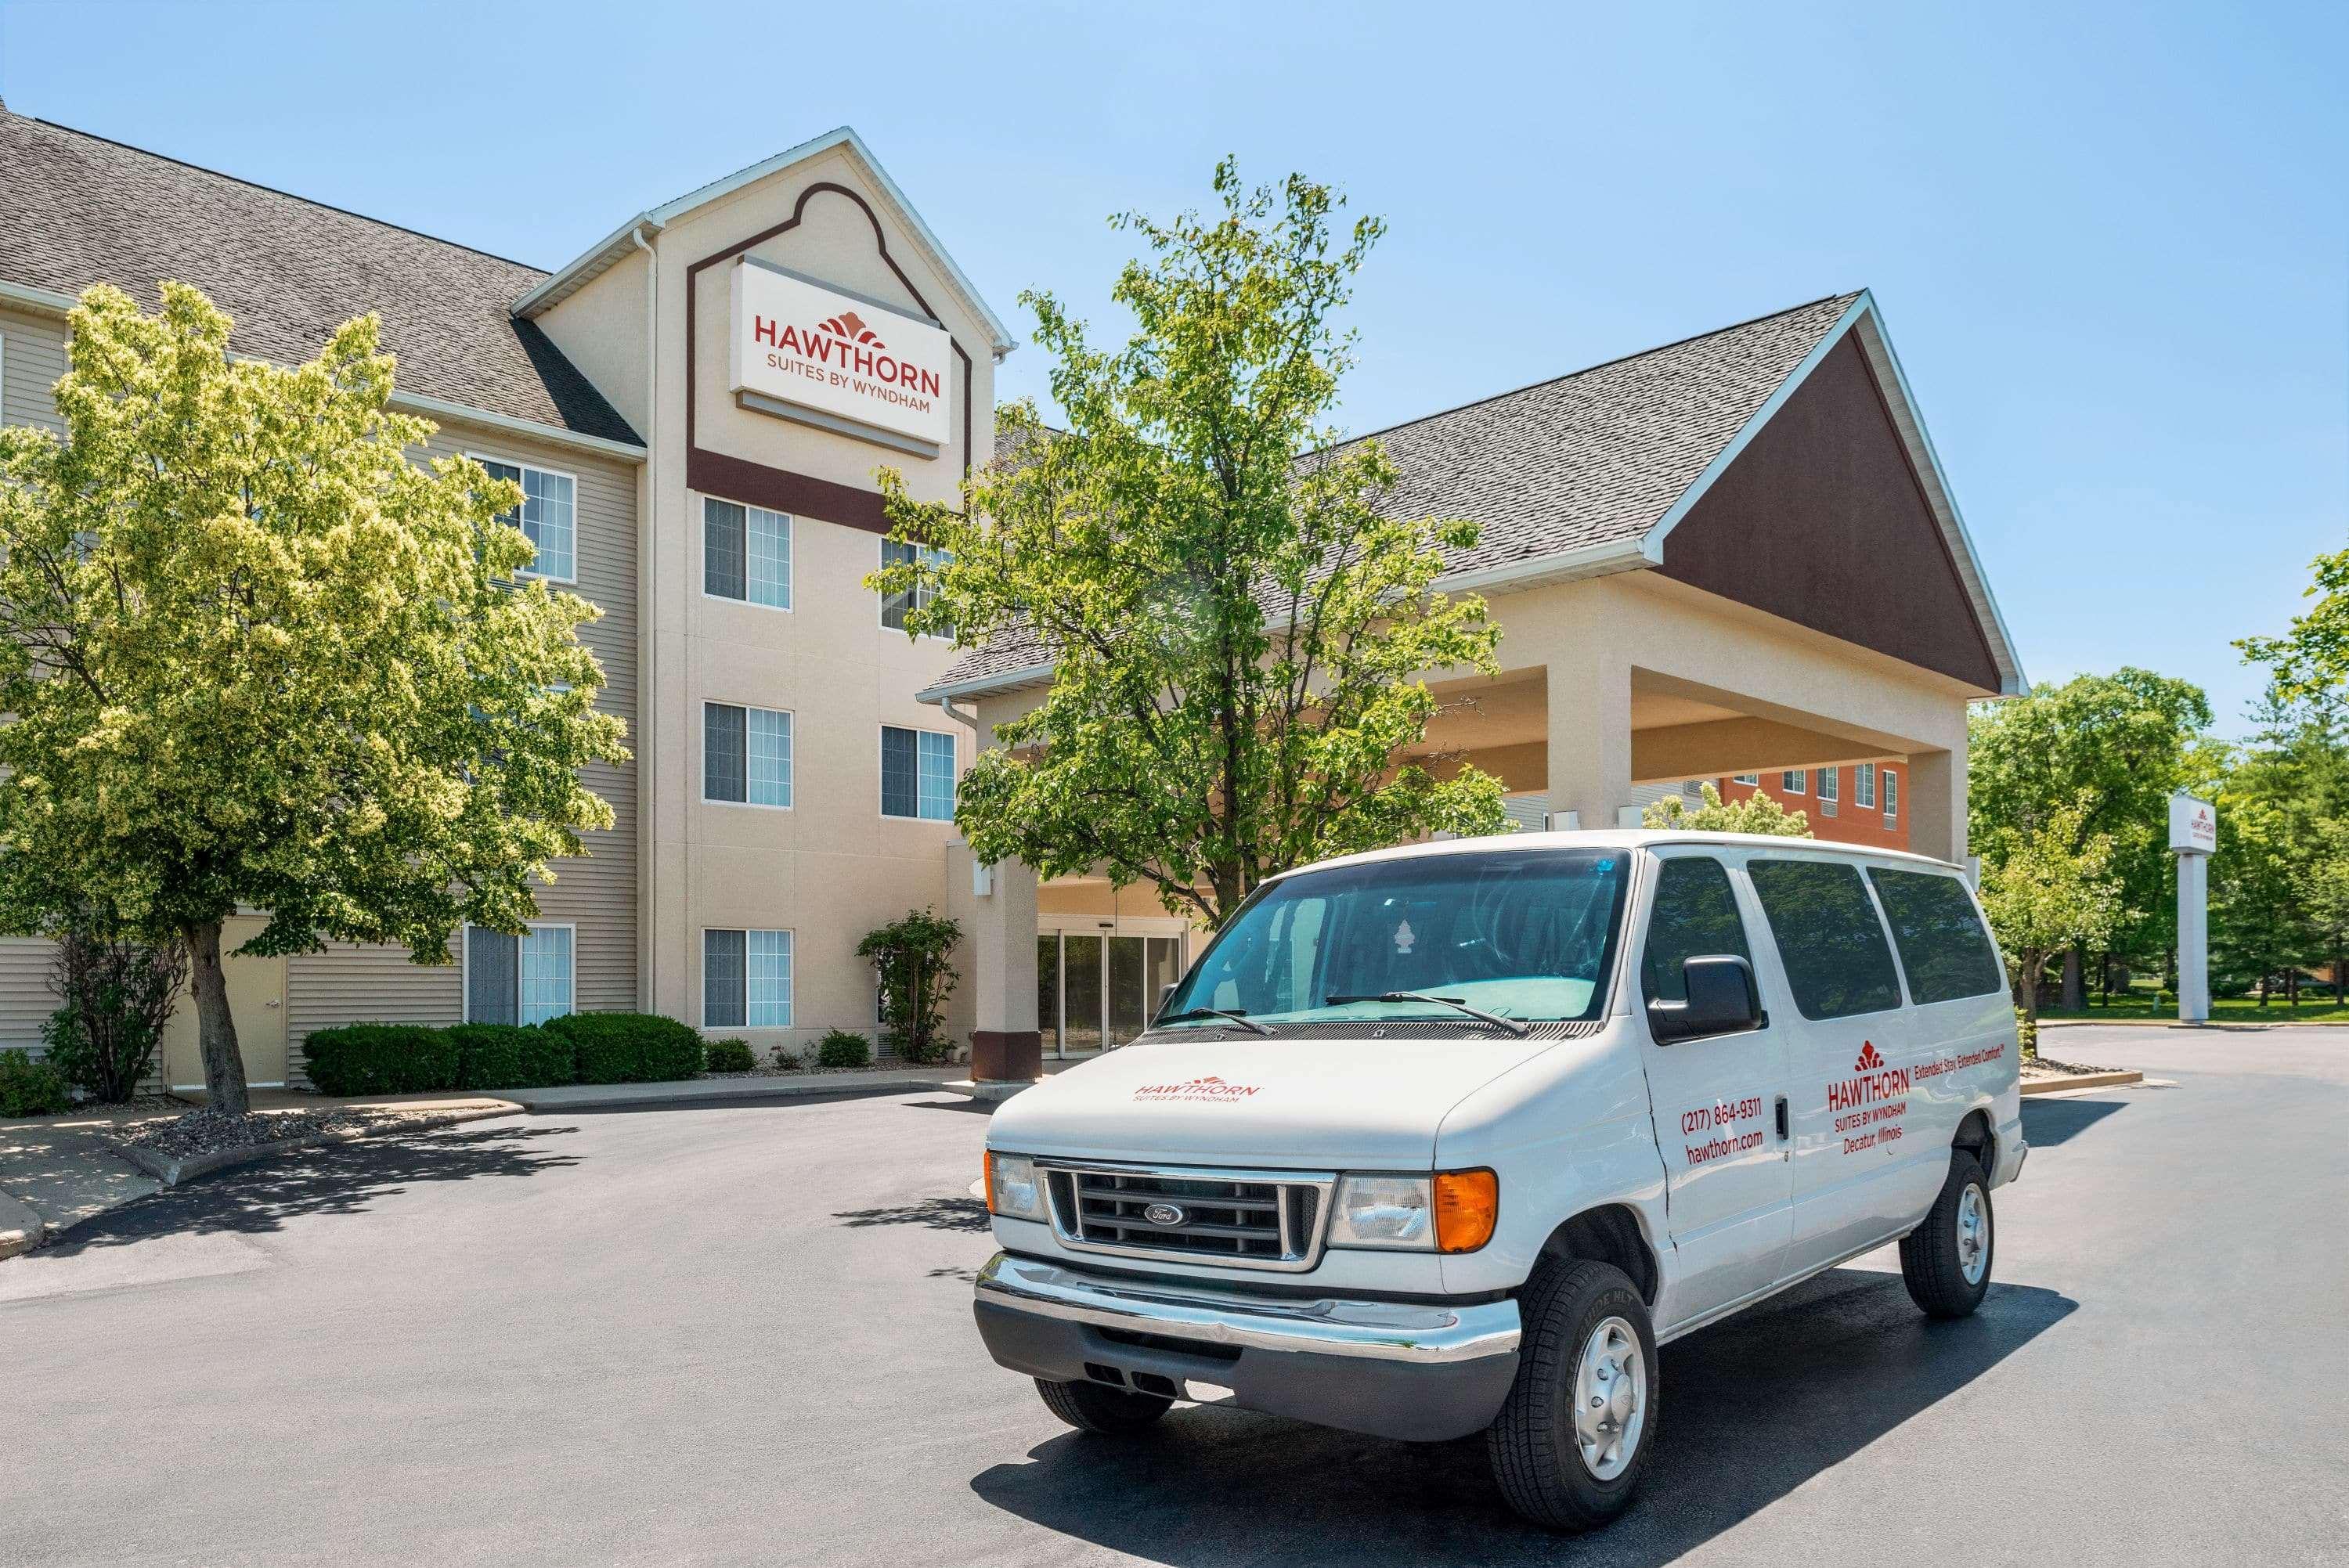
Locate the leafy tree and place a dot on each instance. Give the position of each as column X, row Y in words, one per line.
column 1757, row 813
column 253, row 655
column 2047, row 886
column 118, row 993
column 1238, row 636
column 2313, row 657
column 913, row 958
column 2123, row 741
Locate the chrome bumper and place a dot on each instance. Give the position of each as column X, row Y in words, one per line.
column 1420, row 1334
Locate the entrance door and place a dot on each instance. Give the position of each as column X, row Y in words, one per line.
column 1715, row 1101
column 1096, row 989
column 256, row 1000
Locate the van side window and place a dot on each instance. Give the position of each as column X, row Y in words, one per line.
column 1942, row 944
column 1695, row 915
column 1828, row 937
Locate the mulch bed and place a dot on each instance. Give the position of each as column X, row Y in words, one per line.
column 209, row 1131
column 2047, row 1067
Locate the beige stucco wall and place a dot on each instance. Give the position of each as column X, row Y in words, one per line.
column 601, row 329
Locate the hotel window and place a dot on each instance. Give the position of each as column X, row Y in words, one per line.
column 917, row 774
column 1794, row 780
column 523, row 979
column 1891, row 797
column 746, row 754
column 1831, row 789
column 1863, row 786
column 746, row 979
column 548, row 516
column 1751, row 780
column 894, row 605
column 745, row 553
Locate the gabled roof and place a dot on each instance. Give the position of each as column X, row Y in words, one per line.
column 1589, row 473
column 615, row 246
column 77, row 210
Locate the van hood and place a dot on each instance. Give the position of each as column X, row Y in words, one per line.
column 1288, row 1104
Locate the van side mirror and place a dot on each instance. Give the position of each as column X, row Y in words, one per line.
column 1722, row 1000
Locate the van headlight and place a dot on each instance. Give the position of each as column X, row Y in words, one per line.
column 1450, row 1211
column 1012, row 1188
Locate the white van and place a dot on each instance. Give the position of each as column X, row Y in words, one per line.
column 1451, row 1137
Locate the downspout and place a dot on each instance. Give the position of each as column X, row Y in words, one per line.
column 648, row 860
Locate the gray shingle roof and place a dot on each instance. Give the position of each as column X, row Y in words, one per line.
column 75, row 210
column 1594, row 458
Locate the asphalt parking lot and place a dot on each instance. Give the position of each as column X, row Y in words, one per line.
column 743, row 1335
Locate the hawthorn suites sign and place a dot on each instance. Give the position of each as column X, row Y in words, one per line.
column 845, row 364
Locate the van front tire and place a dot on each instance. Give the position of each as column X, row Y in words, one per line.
column 1110, row 1412
column 1573, row 1438
column 1945, row 1262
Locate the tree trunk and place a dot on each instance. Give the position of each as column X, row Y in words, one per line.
column 2075, row 981
column 215, row 1025
column 2031, row 964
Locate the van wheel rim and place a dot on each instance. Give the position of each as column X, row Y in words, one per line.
column 1973, row 1233
column 1610, row 1398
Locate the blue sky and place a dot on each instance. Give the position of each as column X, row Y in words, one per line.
column 2110, row 242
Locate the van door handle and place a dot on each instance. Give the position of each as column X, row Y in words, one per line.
column 1782, row 1119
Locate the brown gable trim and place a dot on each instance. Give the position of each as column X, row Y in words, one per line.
column 836, row 502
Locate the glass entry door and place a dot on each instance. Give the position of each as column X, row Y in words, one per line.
column 1097, row 990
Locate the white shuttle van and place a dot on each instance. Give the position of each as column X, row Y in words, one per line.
column 1452, row 1137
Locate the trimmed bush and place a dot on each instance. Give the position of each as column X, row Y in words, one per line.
column 629, row 1047
column 2026, row 1035
column 729, row 1057
column 382, row 1058
column 28, row 1088
column 843, row 1048
column 511, row 1055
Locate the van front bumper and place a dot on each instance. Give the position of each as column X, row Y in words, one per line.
column 1420, row 1371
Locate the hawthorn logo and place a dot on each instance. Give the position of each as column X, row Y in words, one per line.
column 850, row 326
column 1211, row 1090
column 1875, row 1082
column 1869, row 1060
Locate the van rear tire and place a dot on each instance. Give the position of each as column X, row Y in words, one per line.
column 1945, row 1262
column 1585, row 1337
column 1110, row 1412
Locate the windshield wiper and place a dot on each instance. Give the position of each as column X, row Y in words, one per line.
column 1512, row 1025
column 1242, row 1019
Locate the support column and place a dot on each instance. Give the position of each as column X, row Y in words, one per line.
column 1937, row 804
column 1590, row 759
column 2193, row 937
column 996, row 906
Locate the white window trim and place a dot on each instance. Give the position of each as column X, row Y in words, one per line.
column 560, row 473
column 1801, row 788
column 709, row 702
column 701, row 561
column 881, row 605
column 1751, row 780
column 1888, row 786
column 465, row 967
column 880, row 772
column 701, row 1001
column 1863, row 786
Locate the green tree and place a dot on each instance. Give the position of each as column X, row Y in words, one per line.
column 1238, row 636
column 2312, row 656
column 2124, row 741
column 2046, row 887
column 1757, row 813
column 913, row 958
column 253, row 655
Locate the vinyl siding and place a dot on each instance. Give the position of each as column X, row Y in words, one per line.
column 26, row 999
column 349, row 984
column 31, row 358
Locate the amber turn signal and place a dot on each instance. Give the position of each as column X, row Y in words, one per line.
column 1467, row 1206
column 987, row 1177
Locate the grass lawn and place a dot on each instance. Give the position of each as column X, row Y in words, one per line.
column 2140, row 1006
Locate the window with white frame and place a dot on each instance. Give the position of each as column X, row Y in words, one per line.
column 746, row 754
column 1831, row 789
column 1891, row 797
column 1863, row 786
column 894, row 605
column 524, row 979
column 917, row 774
column 1751, row 780
column 548, row 516
column 746, row 979
column 1794, row 780
column 745, row 553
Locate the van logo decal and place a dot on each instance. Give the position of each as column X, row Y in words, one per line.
column 1163, row 1214
column 1867, row 1108
column 1869, row 1059
column 1211, row 1090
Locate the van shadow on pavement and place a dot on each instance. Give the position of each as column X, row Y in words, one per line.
column 2047, row 1122
column 1751, row 1408
column 332, row 1179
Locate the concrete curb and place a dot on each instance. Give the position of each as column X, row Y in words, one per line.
column 2079, row 1081
column 706, row 1092
column 172, row 1171
column 21, row 1230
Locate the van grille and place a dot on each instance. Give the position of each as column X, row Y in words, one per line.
column 1240, row 1219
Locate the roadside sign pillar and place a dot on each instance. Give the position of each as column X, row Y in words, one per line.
column 2193, row 836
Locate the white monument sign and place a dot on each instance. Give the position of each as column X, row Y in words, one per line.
column 2193, row 837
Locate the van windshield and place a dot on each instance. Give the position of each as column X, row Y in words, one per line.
column 1528, row 935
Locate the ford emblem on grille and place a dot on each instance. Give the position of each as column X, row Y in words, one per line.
column 1163, row 1214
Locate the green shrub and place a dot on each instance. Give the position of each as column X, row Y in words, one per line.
column 510, row 1056
column 28, row 1088
column 118, row 994
column 729, row 1057
column 843, row 1048
column 629, row 1047
column 2026, row 1035
column 382, row 1058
